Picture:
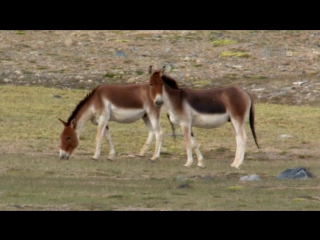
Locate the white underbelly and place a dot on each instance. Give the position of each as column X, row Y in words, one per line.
column 126, row 115
column 209, row 120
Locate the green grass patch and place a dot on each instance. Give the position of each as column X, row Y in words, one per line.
column 201, row 82
column 33, row 177
column 122, row 40
column 21, row 32
column 109, row 75
column 140, row 72
column 223, row 42
column 258, row 77
column 235, row 54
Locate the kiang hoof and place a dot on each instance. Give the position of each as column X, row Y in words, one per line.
column 153, row 159
column 110, row 159
column 94, row 159
column 200, row 166
column 234, row 166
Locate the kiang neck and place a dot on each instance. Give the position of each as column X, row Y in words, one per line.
column 81, row 120
column 173, row 95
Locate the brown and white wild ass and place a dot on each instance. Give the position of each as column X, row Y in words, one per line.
column 119, row 103
column 210, row 108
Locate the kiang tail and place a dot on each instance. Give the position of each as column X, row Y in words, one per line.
column 251, row 121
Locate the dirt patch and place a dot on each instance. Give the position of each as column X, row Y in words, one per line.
column 274, row 66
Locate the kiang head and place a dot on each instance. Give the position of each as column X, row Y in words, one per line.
column 68, row 139
column 156, row 86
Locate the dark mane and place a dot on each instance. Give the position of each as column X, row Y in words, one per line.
column 80, row 105
column 170, row 81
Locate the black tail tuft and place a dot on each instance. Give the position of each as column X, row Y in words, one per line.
column 251, row 121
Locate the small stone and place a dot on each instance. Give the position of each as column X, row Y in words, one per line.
column 285, row 136
column 120, row 53
column 68, row 42
column 131, row 80
column 253, row 177
column 299, row 83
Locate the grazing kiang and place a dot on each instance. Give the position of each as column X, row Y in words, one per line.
column 207, row 108
column 119, row 103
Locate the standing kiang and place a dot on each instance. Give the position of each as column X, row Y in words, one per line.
column 207, row 108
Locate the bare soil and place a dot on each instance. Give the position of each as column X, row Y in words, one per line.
column 275, row 66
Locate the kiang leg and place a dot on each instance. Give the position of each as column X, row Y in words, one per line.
column 155, row 122
column 186, row 129
column 102, row 124
column 241, row 139
column 196, row 146
column 112, row 151
column 146, row 146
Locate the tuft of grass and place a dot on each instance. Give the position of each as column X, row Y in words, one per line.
column 223, row 42
column 21, row 32
column 138, row 72
column 283, row 153
column 202, row 82
column 235, row 54
column 109, row 75
column 121, row 40
column 258, row 77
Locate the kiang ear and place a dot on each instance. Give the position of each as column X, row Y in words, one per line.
column 162, row 70
column 63, row 122
column 150, row 69
column 73, row 123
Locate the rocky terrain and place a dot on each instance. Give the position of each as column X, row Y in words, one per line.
column 275, row 66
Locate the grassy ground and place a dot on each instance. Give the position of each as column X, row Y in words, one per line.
column 33, row 177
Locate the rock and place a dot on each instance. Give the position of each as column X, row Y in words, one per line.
column 120, row 53
column 168, row 67
column 68, row 42
column 131, row 80
column 288, row 54
column 285, row 136
column 183, row 185
column 253, row 177
column 258, row 90
column 299, row 83
column 296, row 173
